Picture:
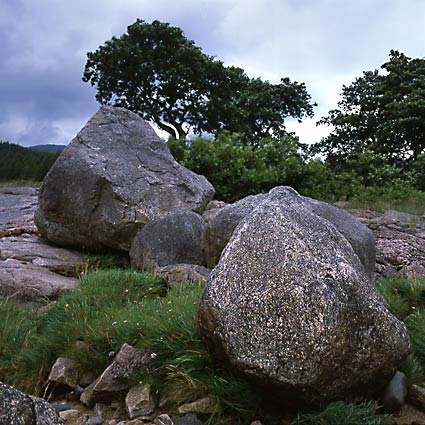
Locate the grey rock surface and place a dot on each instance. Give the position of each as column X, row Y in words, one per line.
column 222, row 223
column 115, row 378
column 64, row 371
column 26, row 282
column 115, row 176
column 139, row 402
column 291, row 307
column 395, row 392
column 18, row 408
column 400, row 242
column 171, row 239
column 221, row 226
column 39, row 252
column 17, row 208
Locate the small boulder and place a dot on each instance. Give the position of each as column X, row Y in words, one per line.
column 291, row 307
column 171, row 239
column 115, row 378
column 395, row 392
column 139, row 402
column 115, row 176
column 64, row 371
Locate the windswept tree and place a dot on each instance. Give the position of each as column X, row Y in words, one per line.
column 155, row 71
column 380, row 113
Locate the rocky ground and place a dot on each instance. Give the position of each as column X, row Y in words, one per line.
column 32, row 268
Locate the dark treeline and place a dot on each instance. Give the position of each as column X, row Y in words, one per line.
column 19, row 163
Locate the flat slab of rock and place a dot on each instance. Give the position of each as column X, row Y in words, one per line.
column 27, row 282
column 17, row 208
column 40, row 252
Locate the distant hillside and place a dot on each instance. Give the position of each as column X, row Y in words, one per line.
column 48, row 148
column 19, row 163
column 8, row 149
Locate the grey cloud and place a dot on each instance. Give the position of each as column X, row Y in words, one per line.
column 324, row 43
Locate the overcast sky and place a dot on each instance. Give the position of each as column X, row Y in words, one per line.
column 323, row 43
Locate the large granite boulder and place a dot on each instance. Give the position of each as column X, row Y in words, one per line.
column 114, row 177
column 18, row 408
column 291, row 307
column 174, row 238
column 221, row 226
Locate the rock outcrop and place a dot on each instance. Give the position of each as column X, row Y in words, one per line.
column 291, row 307
column 114, row 177
column 18, row 408
column 17, row 208
column 400, row 243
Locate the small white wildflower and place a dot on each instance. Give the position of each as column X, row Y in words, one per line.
column 153, row 355
column 114, row 323
column 125, row 321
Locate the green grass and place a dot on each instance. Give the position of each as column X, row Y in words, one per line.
column 20, row 183
column 340, row 413
column 408, row 201
column 115, row 306
column 406, row 299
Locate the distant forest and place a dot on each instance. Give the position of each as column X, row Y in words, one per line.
column 19, row 163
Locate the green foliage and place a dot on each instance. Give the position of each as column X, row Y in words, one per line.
column 382, row 113
column 19, row 163
column 112, row 307
column 237, row 170
column 93, row 262
column 340, row 413
column 406, row 300
column 155, row 71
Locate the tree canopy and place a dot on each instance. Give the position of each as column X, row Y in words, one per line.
column 155, row 71
column 381, row 113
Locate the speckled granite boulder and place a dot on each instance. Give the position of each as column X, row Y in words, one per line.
column 221, row 226
column 291, row 307
column 18, row 408
column 174, row 238
column 112, row 179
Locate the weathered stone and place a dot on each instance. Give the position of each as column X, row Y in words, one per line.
column 395, row 392
column 179, row 274
column 139, row 402
column 222, row 225
column 115, row 378
column 171, row 239
column 163, row 420
column 188, row 419
column 69, row 415
column 291, row 307
column 60, row 406
column 203, row 405
column 25, row 282
column 17, row 207
column 18, row 408
column 115, row 176
column 39, row 252
column 95, row 420
column 64, row 371
column 212, row 209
